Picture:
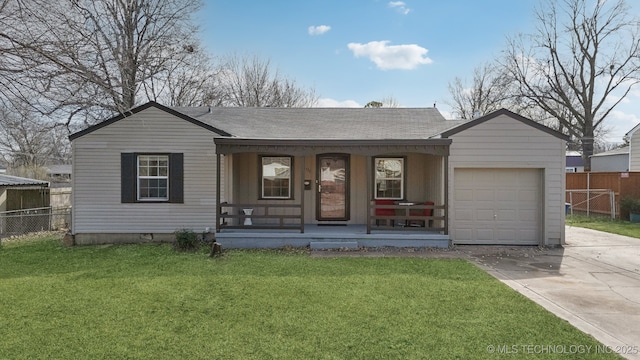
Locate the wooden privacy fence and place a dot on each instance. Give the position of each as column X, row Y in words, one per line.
column 60, row 197
column 622, row 184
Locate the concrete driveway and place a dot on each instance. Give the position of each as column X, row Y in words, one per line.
column 593, row 282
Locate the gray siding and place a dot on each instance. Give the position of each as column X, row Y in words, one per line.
column 609, row 163
column 506, row 143
column 634, row 152
column 97, row 207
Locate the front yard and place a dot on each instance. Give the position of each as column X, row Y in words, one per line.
column 149, row 302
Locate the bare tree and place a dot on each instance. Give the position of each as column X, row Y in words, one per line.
column 387, row 102
column 390, row 102
column 84, row 56
column 192, row 82
column 76, row 62
column 28, row 142
column 579, row 65
column 251, row 81
column 488, row 91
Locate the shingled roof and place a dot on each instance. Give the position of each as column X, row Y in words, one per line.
column 321, row 123
column 304, row 123
column 324, row 123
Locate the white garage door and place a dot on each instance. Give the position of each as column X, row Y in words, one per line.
column 497, row 206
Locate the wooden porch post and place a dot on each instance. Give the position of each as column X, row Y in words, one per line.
column 368, row 175
column 446, row 194
column 302, row 166
column 218, row 207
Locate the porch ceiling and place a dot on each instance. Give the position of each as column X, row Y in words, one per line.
column 299, row 147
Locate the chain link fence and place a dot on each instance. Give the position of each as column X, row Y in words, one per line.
column 594, row 202
column 25, row 221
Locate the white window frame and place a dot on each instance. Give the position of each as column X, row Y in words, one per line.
column 262, row 177
column 149, row 157
column 376, row 177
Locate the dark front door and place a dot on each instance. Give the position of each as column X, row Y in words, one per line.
column 332, row 190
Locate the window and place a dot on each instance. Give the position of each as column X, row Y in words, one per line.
column 153, row 177
column 389, row 181
column 149, row 178
column 276, row 177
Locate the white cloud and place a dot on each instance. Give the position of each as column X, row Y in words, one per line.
column 447, row 115
column 619, row 123
column 326, row 102
column 612, row 99
column 400, row 6
column 318, row 30
column 388, row 57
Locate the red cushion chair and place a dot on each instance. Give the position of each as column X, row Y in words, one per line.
column 385, row 212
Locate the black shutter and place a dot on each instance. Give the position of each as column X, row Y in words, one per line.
column 128, row 174
column 176, row 178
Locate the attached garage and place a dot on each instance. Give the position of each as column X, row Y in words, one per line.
column 497, row 206
column 506, row 182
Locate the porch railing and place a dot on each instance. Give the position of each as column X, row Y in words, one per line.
column 291, row 217
column 406, row 217
column 263, row 216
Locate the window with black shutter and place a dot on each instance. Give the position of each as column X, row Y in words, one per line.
column 152, row 177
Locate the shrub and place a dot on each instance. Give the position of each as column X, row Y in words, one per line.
column 186, row 240
column 631, row 205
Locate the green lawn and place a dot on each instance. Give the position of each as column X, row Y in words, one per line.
column 620, row 227
column 149, row 302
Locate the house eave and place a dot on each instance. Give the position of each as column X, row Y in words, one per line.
column 140, row 108
column 225, row 145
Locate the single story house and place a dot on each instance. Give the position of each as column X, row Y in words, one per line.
column 616, row 160
column 59, row 173
column 574, row 162
column 271, row 177
column 634, row 148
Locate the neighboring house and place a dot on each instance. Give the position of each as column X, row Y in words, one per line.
column 616, row 160
column 269, row 177
column 634, row 148
column 574, row 162
column 59, row 173
column 17, row 193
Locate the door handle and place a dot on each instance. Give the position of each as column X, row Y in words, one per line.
column 319, row 188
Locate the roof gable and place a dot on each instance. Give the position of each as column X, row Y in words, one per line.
column 140, row 108
column 632, row 131
column 524, row 120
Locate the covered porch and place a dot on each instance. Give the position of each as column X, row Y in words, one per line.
column 332, row 191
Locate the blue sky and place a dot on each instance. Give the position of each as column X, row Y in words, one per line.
column 353, row 52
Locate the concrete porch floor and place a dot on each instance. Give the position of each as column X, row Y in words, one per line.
column 315, row 236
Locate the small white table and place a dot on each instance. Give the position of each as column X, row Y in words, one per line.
column 247, row 219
